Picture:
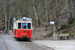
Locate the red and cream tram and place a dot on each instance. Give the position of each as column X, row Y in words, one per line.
column 22, row 28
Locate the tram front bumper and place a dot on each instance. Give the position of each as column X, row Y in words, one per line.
column 24, row 36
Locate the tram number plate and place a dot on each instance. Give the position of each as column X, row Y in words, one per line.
column 24, row 33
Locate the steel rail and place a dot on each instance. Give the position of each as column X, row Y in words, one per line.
column 32, row 46
column 4, row 43
column 26, row 45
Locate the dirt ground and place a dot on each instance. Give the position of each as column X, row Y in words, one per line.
column 58, row 45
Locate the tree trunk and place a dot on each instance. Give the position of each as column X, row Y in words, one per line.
column 35, row 11
column 56, row 4
column 73, row 8
column 5, row 22
column 9, row 17
column 46, row 10
column 5, row 16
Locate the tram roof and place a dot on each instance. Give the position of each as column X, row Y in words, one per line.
column 24, row 19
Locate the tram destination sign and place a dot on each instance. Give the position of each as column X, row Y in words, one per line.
column 24, row 24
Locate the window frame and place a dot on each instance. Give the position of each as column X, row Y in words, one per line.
column 26, row 26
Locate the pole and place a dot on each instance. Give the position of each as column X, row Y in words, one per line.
column 52, row 23
column 52, row 33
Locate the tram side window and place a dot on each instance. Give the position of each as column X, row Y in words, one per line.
column 29, row 25
column 19, row 25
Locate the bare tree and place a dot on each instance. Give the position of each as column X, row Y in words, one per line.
column 46, row 3
column 1, row 24
column 5, row 16
column 35, row 11
column 9, row 16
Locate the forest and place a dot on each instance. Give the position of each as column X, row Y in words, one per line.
column 41, row 12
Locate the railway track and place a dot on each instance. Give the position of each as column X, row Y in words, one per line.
column 34, row 46
column 4, row 43
column 10, row 43
column 31, row 45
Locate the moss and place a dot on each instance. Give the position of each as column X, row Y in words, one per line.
column 49, row 34
column 70, row 20
column 45, row 29
column 44, row 36
column 69, row 30
column 67, row 26
column 72, row 35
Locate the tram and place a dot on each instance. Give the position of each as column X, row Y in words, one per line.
column 22, row 28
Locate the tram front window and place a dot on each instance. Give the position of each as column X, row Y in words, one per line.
column 24, row 25
column 29, row 25
column 19, row 25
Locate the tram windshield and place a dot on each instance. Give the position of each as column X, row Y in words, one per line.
column 29, row 25
column 19, row 25
column 24, row 25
